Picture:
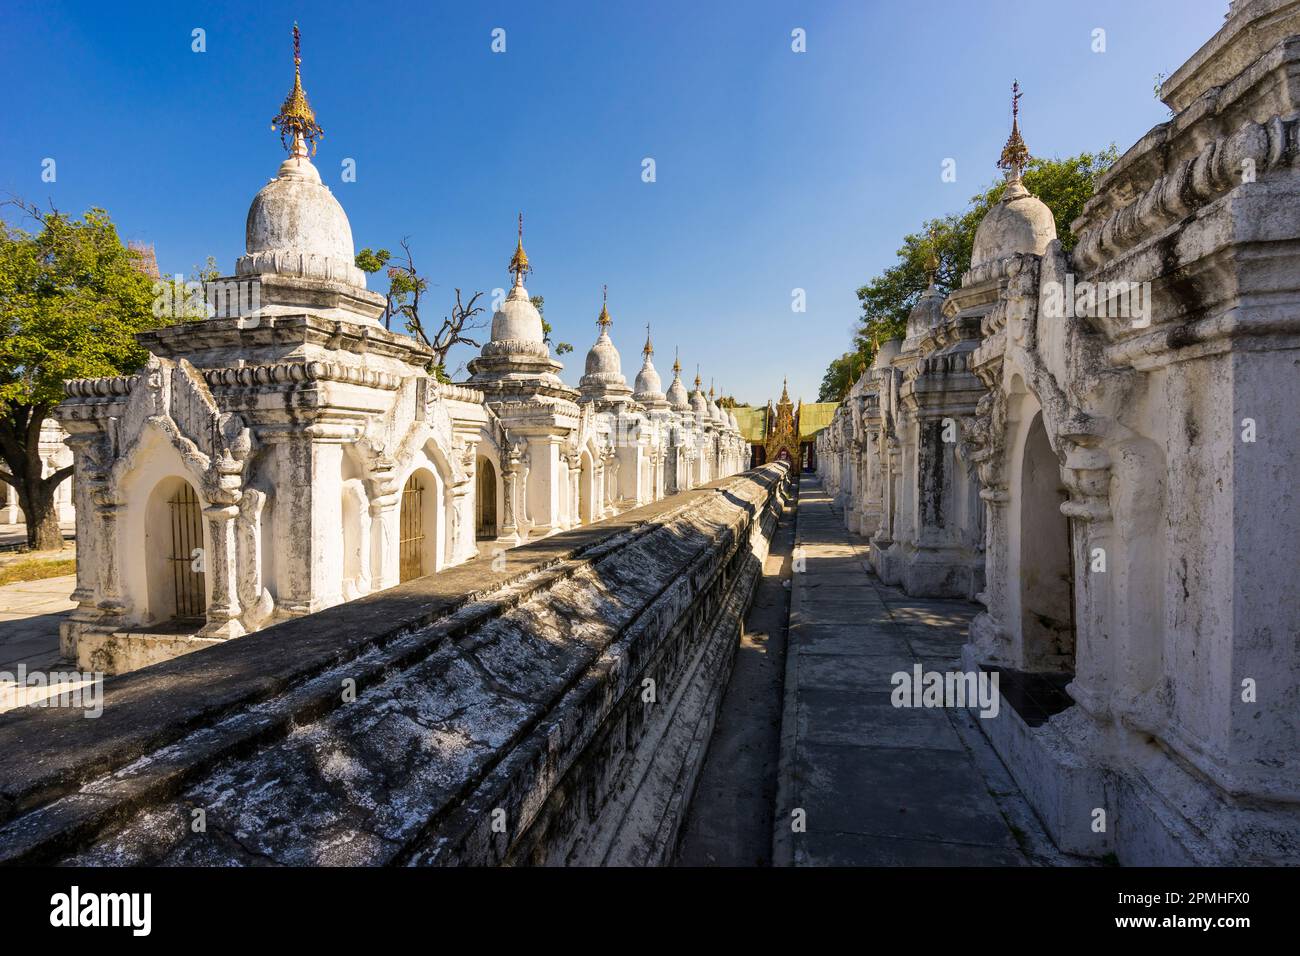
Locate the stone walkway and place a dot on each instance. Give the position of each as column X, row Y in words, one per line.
column 881, row 785
column 729, row 822
column 30, row 612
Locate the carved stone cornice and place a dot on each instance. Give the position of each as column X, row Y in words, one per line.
column 298, row 373
column 106, row 387
column 274, row 338
column 459, row 393
column 1217, row 168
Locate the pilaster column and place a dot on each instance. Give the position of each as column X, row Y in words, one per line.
column 545, row 484
column 1087, row 477
column 385, row 538
column 108, row 585
column 309, row 518
column 574, row 462
column 889, row 487
column 219, row 568
column 509, row 483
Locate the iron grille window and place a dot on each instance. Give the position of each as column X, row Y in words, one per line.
column 487, row 500
column 411, row 538
column 187, row 557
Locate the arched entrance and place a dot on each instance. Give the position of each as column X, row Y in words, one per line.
column 411, row 543
column 1046, row 559
column 485, row 497
column 175, row 554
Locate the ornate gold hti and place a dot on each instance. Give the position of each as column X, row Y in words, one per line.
column 519, row 261
column 932, row 256
column 1015, row 154
column 296, row 121
column 603, row 320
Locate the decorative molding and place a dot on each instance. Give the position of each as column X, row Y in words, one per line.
column 1213, row 172
column 297, row 373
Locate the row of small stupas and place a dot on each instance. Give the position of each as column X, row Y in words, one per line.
column 1101, row 448
column 289, row 453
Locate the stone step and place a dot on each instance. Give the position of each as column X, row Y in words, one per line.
column 469, row 685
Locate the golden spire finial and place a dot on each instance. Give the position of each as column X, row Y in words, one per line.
column 519, row 261
column 932, row 257
column 698, row 383
column 785, row 390
column 603, row 320
column 296, row 119
column 677, row 362
column 1015, row 154
column 649, row 349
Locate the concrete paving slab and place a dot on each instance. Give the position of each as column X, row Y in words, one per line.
column 856, row 849
column 848, row 613
column 856, row 719
column 817, row 637
column 911, row 792
column 882, row 785
column 865, row 674
column 30, row 614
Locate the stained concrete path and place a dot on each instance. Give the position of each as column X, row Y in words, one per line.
column 30, row 612
column 729, row 822
column 880, row 785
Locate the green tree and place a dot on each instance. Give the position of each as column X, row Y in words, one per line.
column 841, row 375
column 71, row 303
column 1063, row 184
column 406, row 288
column 539, row 303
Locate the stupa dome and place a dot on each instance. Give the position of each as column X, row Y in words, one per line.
column 677, row 396
column 1019, row 222
column 295, row 226
column 604, row 365
column 648, row 386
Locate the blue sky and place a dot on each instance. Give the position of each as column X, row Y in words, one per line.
column 775, row 170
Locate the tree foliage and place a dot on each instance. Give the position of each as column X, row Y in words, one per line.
column 841, row 374
column 1063, row 184
column 406, row 289
column 539, row 303
column 71, row 303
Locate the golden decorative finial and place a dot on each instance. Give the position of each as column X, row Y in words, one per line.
column 677, row 362
column 1015, row 155
column 649, row 349
column 296, row 119
column 604, row 321
column 519, row 261
column 932, row 258
column 785, row 391
column 698, row 383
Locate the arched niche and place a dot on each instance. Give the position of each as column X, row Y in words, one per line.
column 1046, row 578
column 418, row 525
column 175, row 554
column 487, row 514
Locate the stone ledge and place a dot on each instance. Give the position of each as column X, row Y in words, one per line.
column 167, row 725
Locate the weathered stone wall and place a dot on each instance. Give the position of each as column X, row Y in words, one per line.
column 554, row 710
column 1131, row 436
